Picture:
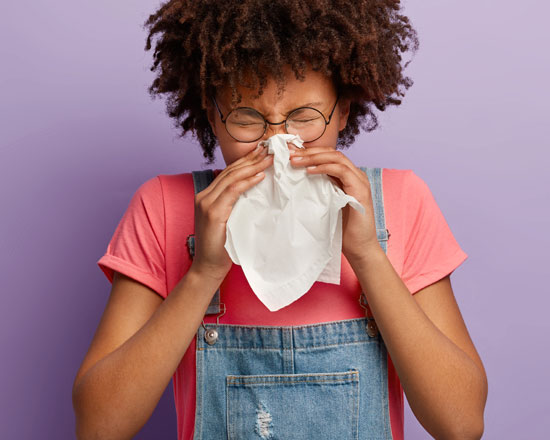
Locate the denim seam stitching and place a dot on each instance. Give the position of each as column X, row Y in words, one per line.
column 292, row 382
column 309, row 347
column 351, row 373
column 357, row 406
column 294, row 327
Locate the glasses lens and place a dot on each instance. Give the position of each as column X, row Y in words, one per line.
column 306, row 122
column 245, row 125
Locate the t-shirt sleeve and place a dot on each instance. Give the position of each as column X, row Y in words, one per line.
column 431, row 250
column 137, row 247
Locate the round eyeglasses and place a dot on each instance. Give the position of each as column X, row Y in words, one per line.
column 245, row 124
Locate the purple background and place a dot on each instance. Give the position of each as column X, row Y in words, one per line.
column 79, row 134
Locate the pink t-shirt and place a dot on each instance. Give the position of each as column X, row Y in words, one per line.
column 149, row 245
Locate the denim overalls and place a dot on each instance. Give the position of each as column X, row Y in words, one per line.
column 317, row 381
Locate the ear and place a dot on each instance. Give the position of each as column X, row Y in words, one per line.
column 343, row 107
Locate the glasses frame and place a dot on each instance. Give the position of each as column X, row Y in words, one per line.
column 266, row 122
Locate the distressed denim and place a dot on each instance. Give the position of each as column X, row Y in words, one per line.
column 317, row 381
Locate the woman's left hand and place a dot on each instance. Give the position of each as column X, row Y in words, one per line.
column 358, row 230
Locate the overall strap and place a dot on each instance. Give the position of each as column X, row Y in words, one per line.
column 375, row 179
column 201, row 179
column 382, row 234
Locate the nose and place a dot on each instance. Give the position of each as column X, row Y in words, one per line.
column 277, row 129
column 273, row 129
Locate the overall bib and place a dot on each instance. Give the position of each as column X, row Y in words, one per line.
column 317, row 381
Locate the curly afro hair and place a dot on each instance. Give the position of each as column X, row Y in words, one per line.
column 209, row 44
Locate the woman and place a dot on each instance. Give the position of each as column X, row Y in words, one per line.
column 265, row 374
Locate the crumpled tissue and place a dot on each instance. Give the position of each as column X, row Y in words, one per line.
column 286, row 231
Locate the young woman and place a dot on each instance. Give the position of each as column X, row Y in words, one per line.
column 335, row 363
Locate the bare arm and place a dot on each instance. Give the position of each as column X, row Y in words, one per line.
column 435, row 359
column 141, row 339
column 113, row 397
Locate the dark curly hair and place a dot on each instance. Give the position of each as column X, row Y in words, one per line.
column 206, row 44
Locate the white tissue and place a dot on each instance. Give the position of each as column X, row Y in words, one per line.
column 286, row 231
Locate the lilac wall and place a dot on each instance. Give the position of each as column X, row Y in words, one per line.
column 79, row 134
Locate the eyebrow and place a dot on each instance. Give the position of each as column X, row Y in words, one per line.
column 308, row 104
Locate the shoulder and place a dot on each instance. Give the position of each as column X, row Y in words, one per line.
column 404, row 178
column 181, row 179
column 148, row 196
column 403, row 185
column 177, row 191
column 150, row 187
column 178, row 184
column 407, row 201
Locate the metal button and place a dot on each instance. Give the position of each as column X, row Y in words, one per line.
column 211, row 336
column 372, row 329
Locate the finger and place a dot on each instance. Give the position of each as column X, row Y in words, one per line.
column 244, row 172
column 292, row 147
column 259, row 156
column 253, row 156
column 228, row 198
column 325, row 157
column 310, row 150
column 338, row 171
column 249, row 157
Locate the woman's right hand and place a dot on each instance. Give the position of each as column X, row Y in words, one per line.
column 213, row 206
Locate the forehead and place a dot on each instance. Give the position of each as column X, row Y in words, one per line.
column 315, row 87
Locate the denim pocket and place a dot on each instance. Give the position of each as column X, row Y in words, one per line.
column 293, row 406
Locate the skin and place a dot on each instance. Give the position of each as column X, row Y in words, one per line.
column 216, row 202
column 141, row 337
column 441, row 372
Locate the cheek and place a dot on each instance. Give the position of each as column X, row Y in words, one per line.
column 329, row 139
column 234, row 151
column 333, row 135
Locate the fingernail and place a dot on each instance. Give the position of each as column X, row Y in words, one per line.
column 295, row 158
column 269, row 156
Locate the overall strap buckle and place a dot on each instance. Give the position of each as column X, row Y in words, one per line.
column 371, row 327
column 211, row 334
